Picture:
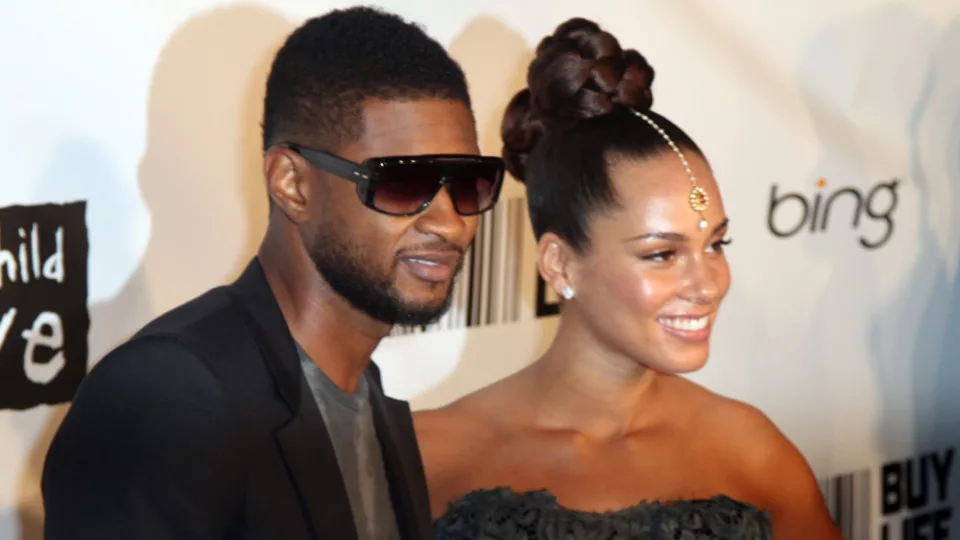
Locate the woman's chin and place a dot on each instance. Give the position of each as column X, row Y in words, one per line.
column 681, row 364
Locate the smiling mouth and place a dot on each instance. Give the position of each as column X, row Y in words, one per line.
column 691, row 329
column 685, row 324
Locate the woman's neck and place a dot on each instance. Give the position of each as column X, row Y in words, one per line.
column 583, row 386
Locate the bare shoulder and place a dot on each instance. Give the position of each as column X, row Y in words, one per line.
column 745, row 428
column 468, row 421
column 773, row 470
column 442, row 432
column 451, row 438
column 732, row 427
column 462, row 422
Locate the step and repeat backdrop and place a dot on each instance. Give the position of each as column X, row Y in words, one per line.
column 129, row 182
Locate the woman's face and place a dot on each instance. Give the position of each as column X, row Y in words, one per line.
column 651, row 282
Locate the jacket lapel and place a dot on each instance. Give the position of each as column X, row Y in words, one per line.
column 312, row 460
column 303, row 440
column 401, row 461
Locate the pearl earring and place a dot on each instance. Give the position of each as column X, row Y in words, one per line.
column 567, row 292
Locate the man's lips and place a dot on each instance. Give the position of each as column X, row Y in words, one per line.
column 432, row 266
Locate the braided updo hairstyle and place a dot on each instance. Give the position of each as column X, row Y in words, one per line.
column 574, row 119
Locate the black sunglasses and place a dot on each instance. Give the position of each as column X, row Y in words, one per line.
column 405, row 185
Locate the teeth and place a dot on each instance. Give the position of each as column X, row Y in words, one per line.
column 422, row 261
column 685, row 323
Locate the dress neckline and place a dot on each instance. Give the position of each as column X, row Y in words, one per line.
column 508, row 514
column 546, row 499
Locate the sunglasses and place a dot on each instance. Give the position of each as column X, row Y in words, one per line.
column 405, row 185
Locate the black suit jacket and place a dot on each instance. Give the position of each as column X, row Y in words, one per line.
column 202, row 426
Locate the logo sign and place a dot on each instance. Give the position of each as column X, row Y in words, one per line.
column 43, row 303
column 914, row 499
column 792, row 213
column 915, row 492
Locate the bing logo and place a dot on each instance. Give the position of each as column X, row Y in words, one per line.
column 791, row 213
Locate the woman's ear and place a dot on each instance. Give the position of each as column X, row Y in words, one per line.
column 557, row 265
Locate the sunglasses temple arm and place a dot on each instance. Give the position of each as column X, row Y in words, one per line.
column 338, row 166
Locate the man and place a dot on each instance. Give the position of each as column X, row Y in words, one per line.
column 253, row 411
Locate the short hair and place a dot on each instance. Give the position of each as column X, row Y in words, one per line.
column 327, row 67
column 575, row 118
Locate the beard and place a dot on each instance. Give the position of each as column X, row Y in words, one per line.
column 351, row 273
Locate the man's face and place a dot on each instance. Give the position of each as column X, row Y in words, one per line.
column 399, row 270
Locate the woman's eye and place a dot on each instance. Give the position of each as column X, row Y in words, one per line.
column 660, row 256
column 719, row 245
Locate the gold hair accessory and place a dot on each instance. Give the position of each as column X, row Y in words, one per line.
column 699, row 200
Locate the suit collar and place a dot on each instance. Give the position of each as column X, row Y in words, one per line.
column 262, row 311
column 402, row 464
column 304, row 439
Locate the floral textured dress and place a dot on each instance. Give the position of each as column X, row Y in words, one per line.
column 503, row 514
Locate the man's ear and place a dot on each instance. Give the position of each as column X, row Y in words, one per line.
column 557, row 264
column 287, row 178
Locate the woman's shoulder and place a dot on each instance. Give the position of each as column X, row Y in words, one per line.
column 477, row 414
column 467, row 421
column 470, row 416
column 768, row 464
column 450, row 439
column 736, row 422
column 442, row 433
column 734, row 428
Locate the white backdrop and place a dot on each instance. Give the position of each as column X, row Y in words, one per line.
column 149, row 111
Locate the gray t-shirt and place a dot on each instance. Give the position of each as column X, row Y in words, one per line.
column 349, row 420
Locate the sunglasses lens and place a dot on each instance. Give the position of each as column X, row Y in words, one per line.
column 404, row 188
column 473, row 188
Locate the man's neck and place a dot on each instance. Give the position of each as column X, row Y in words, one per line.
column 338, row 338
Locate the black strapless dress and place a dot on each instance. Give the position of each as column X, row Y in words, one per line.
column 503, row 514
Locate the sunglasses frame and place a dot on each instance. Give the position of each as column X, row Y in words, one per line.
column 366, row 175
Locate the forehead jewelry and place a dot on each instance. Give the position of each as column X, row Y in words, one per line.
column 698, row 197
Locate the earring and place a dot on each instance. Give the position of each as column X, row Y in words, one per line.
column 567, row 292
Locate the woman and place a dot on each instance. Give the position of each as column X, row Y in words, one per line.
column 600, row 438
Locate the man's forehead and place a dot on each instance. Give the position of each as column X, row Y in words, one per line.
column 412, row 127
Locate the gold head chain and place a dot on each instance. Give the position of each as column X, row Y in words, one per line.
column 699, row 200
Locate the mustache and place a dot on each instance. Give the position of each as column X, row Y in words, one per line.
column 433, row 246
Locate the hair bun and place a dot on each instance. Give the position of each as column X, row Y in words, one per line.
column 580, row 72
